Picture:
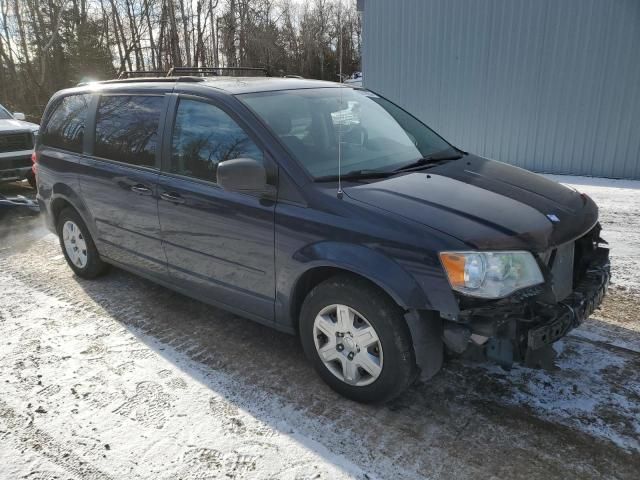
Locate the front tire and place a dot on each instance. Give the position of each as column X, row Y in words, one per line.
column 77, row 245
column 357, row 340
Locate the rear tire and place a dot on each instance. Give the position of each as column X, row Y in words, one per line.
column 77, row 245
column 357, row 339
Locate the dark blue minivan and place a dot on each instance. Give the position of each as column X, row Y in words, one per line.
column 324, row 211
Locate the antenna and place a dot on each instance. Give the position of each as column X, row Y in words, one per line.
column 339, row 193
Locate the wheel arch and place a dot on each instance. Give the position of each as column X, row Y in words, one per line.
column 316, row 275
column 323, row 260
column 57, row 205
column 63, row 196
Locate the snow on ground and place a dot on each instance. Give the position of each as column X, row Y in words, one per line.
column 105, row 390
column 591, row 388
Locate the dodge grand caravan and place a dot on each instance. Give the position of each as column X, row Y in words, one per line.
column 324, row 211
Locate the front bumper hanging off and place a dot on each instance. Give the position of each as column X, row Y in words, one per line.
column 520, row 330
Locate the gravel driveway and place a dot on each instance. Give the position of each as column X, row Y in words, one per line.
column 122, row 379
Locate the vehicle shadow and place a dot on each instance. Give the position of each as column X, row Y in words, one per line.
column 469, row 420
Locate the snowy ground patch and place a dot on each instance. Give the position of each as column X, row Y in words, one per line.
column 593, row 387
column 110, row 396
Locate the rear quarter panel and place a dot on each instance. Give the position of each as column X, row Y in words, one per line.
column 58, row 180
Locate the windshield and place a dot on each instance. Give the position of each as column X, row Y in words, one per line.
column 4, row 115
column 375, row 134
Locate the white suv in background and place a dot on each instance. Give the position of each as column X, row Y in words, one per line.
column 17, row 139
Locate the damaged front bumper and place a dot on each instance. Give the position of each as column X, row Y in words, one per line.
column 521, row 329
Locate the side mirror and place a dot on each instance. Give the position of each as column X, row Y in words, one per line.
column 19, row 116
column 242, row 175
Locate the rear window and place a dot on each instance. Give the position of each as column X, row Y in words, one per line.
column 65, row 127
column 127, row 128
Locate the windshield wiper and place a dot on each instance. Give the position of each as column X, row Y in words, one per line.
column 431, row 160
column 355, row 175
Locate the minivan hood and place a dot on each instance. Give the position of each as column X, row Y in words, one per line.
column 485, row 203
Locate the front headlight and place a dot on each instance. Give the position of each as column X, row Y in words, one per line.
column 490, row 274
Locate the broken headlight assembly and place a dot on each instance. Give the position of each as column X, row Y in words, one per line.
column 491, row 274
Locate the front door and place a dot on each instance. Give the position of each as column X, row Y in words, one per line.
column 220, row 243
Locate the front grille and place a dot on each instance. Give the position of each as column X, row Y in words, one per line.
column 13, row 142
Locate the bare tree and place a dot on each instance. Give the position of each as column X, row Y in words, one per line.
column 46, row 45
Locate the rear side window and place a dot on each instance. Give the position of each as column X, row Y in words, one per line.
column 205, row 136
column 127, row 129
column 65, row 128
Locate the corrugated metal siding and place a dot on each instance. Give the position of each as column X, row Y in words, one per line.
column 549, row 85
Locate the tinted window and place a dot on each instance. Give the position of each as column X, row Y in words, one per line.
column 127, row 129
column 203, row 137
column 65, row 128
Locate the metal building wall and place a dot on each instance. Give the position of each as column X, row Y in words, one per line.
column 548, row 85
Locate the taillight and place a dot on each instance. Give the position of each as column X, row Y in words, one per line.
column 34, row 161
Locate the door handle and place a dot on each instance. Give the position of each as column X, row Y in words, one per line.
column 172, row 197
column 141, row 189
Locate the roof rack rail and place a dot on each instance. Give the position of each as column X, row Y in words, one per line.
column 217, row 71
column 146, row 80
column 180, row 74
column 142, row 73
